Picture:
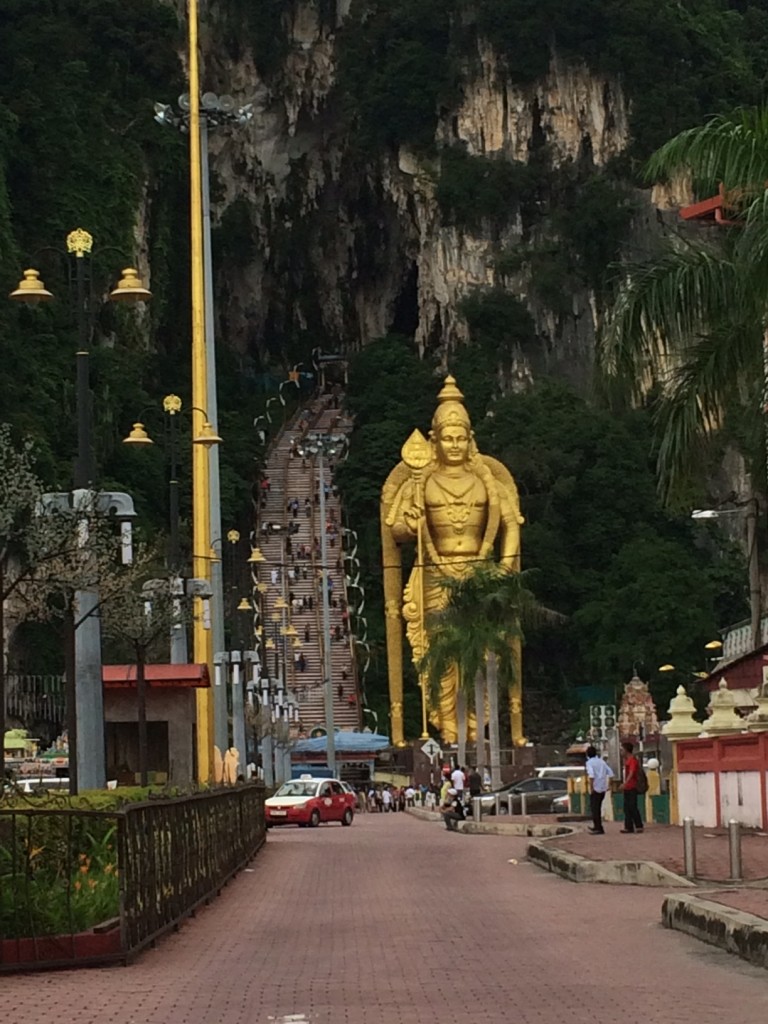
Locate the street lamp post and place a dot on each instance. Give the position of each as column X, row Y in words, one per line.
column 209, row 439
column 212, row 112
column 749, row 509
column 84, row 675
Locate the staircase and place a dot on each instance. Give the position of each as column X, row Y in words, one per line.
column 297, row 579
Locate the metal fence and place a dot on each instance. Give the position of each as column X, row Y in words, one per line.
column 91, row 886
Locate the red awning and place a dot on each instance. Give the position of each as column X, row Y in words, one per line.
column 118, row 676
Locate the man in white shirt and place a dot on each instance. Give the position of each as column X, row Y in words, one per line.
column 457, row 782
column 599, row 773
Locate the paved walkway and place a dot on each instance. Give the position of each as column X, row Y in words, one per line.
column 396, row 921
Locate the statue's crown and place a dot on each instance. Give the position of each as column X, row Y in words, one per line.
column 450, row 408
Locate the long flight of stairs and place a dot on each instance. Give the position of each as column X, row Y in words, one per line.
column 292, row 476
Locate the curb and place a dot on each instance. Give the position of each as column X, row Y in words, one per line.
column 609, row 872
column 501, row 828
column 737, row 932
column 509, row 828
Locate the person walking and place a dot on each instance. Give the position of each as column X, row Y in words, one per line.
column 632, row 819
column 599, row 773
column 386, row 799
column 457, row 781
column 475, row 783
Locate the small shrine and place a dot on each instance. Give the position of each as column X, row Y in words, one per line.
column 637, row 712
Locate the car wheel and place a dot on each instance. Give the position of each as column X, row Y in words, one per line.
column 314, row 820
column 348, row 817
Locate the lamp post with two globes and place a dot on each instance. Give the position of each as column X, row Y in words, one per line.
column 749, row 509
column 87, row 761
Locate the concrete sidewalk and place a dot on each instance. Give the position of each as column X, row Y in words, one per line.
column 663, row 844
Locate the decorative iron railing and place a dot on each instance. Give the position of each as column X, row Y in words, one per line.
column 90, row 886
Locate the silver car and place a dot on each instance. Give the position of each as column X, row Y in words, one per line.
column 539, row 796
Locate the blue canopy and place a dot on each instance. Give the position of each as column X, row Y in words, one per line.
column 346, row 743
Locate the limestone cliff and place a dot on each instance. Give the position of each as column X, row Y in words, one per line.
column 349, row 246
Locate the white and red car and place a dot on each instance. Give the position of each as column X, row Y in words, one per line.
column 308, row 802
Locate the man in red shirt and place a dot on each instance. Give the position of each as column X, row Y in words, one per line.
column 632, row 820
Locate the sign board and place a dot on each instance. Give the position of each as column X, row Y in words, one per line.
column 431, row 749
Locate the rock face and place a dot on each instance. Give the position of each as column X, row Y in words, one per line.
column 348, row 249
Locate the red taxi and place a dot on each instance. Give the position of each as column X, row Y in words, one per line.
column 307, row 802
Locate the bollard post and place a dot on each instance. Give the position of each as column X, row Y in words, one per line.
column 689, row 848
column 524, row 804
column 734, row 848
column 477, row 808
column 497, row 802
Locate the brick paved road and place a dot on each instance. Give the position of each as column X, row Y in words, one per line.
column 396, row 921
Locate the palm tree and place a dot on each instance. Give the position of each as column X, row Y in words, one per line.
column 479, row 632
column 694, row 319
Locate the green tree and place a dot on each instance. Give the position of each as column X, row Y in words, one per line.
column 694, row 318
column 599, row 536
column 139, row 616
column 477, row 633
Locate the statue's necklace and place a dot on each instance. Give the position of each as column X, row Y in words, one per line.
column 457, row 510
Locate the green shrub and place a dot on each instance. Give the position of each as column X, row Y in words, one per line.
column 473, row 189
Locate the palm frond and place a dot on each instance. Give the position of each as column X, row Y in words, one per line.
column 750, row 247
column 728, row 148
column 716, row 376
column 661, row 307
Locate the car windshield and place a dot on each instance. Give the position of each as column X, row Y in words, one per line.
column 297, row 787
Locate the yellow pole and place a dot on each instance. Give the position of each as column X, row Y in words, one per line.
column 422, row 631
column 201, row 539
column 416, row 455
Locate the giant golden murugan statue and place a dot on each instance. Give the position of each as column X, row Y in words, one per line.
column 454, row 503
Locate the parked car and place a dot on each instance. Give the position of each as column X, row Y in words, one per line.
column 308, row 802
column 561, row 804
column 539, row 796
column 561, row 771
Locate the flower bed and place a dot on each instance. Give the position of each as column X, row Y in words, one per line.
column 84, row 885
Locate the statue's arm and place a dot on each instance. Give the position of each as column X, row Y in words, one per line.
column 510, row 515
column 404, row 514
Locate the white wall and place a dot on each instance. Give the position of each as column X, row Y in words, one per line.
column 696, row 797
column 740, row 798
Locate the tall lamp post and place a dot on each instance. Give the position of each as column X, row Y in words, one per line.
column 213, row 112
column 320, row 446
column 750, row 510
column 84, row 675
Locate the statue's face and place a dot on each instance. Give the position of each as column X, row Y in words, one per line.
column 453, row 445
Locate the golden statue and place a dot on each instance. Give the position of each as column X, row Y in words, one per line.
column 455, row 504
